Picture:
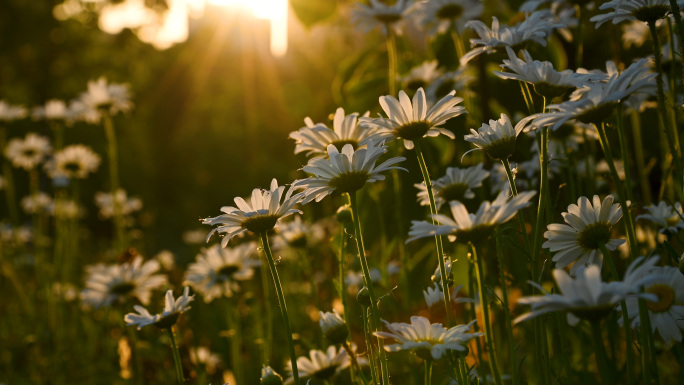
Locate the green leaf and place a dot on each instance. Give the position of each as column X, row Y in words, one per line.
column 310, row 12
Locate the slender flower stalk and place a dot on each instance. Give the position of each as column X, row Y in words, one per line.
column 428, row 372
column 176, row 358
column 600, row 350
column 392, row 60
column 112, row 148
column 375, row 311
column 484, row 306
column 438, row 238
column 507, row 312
column 283, row 306
column 521, row 216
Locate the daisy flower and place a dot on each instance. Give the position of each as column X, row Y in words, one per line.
column 586, row 296
column 217, row 270
column 456, row 185
column 438, row 16
column 456, row 80
column 53, row 109
column 498, row 137
column 379, row 14
column 10, row 112
column 536, row 27
column 472, row 227
column 266, row 207
column 642, row 10
column 315, row 138
column 298, row 235
column 422, row 76
column 546, row 80
column 667, row 312
column 29, row 152
column 333, row 326
column 100, row 96
column 427, row 341
column 321, row 365
column 107, row 284
column 173, row 307
column 76, row 161
column 667, row 218
column 36, row 203
column 588, row 227
column 126, row 205
column 433, row 295
column 345, row 171
column 634, row 34
column 412, row 121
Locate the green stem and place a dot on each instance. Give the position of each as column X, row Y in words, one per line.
column 176, row 357
column 369, row 345
column 343, row 285
column 355, row 363
column 283, row 307
column 625, row 318
column 392, row 58
column 599, row 349
column 9, row 180
column 639, row 157
column 484, row 306
column 625, row 152
column 438, row 238
column 118, row 219
column 507, row 312
column 428, row 372
column 521, row 216
column 268, row 323
column 235, row 340
column 543, row 187
column 375, row 311
column 473, row 315
column 579, row 39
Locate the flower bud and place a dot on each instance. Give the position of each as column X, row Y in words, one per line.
column 344, row 214
column 270, row 377
column 363, row 297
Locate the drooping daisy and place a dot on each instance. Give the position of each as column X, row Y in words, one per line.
column 546, row 80
column 346, row 171
column 412, row 121
column 667, row 218
column 9, row 112
column 173, row 307
column 36, row 203
column 468, row 227
column 54, row 109
column 586, row 296
column 266, row 207
column 642, row 10
column 270, row 376
column 438, row 16
column 107, row 284
column 315, row 138
column 76, row 161
column 322, row 365
column 379, row 14
column 667, row 312
column 456, row 185
column 113, row 98
column 29, row 152
column 427, row 341
column 333, row 327
column 498, row 137
column 126, row 205
column 422, row 76
column 217, row 270
column 535, row 28
column 588, row 227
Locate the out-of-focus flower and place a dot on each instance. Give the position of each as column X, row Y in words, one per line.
column 666, row 217
column 586, row 296
column 634, row 34
column 100, row 96
column 258, row 216
column 589, row 226
column 107, row 284
column 173, row 307
column 438, row 16
column 195, row 237
column 456, row 185
column 75, row 161
column 66, row 208
column 53, row 110
column 321, row 365
column 427, row 341
column 536, row 27
column 642, row 10
column 451, row 81
column 421, row 76
column 298, row 235
column 315, row 138
column 29, row 152
column 9, row 112
column 378, row 14
column 413, row 121
column 36, row 203
column 167, row 259
column 126, row 205
column 202, row 355
column 472, row 227
column 217, row 270
column 346, row 171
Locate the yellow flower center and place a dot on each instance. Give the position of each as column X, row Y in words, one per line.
column 349, row 181
column 594, row 235
column 260, row 224
column 412, row 131
column 666, row 298
column 453, row 192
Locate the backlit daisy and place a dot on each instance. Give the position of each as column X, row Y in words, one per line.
column 427, row 341
column 588, row 227
column 100, row 96
column 438, row 16
column 53, row 109
column 107, row 284
column 456, row 80
column 76, row 161
column 412, row 121
column 29, row 152
column 315, row 138
column 266, row 207
column 379, row 14
column 667, row 218
column 472, row 227
column 421, row 76
column 322, row 366
column 345, row 171
column 173, row 307
column 333, row 326
column 9, row 112
column 217, row 270
column 642, row 10
column 126, row 205
column 456, row 185
column 36, row 203
column 498, row 137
